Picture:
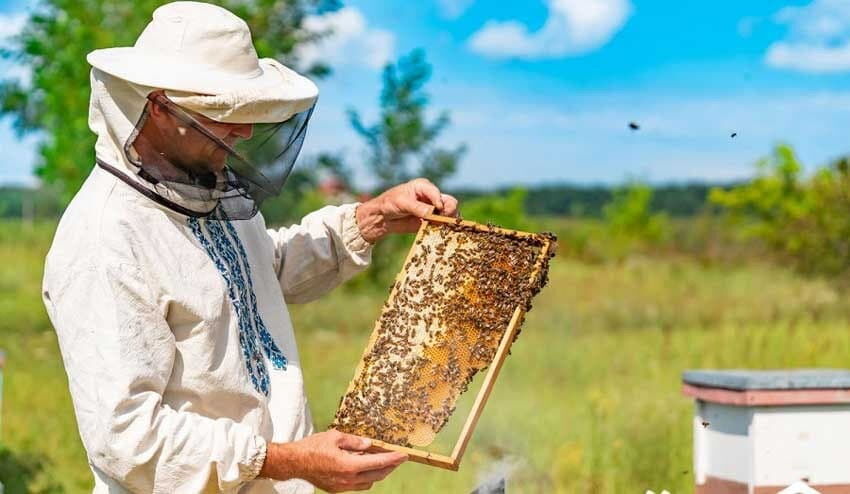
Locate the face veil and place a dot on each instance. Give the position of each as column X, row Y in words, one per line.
column 226, row 170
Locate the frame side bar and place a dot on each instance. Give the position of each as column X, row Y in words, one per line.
column 416, row 455
column 486, row 387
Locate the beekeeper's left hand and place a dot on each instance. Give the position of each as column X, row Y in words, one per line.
column 400, row 209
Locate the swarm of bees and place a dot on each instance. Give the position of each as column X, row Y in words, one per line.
column 441, row 325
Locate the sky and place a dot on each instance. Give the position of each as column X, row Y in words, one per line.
column 543, row 91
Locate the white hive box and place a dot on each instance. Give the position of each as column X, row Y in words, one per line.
column 757, row 432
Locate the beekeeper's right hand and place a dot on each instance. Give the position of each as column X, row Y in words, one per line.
column 332, row 460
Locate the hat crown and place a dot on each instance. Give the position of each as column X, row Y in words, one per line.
column 201, row 34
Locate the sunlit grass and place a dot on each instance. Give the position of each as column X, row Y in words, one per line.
column 588, row 402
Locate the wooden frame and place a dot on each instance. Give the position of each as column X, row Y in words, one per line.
column 452, row 462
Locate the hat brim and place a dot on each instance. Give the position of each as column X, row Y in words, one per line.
column 162, row 72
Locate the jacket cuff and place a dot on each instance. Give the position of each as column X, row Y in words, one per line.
column 351, row 236
column 256, row 458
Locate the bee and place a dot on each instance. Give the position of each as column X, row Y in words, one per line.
column 461, row 290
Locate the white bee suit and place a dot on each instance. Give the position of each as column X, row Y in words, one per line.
column 161, row 317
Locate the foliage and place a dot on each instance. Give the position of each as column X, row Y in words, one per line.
column 507, row 211
column 576, row 201
column 21, row 474
column 630, row 222
column 803, row 220
column 29, row 203
column 54, row 44
column 402, row 135
column 588, row 201
column 402, row 132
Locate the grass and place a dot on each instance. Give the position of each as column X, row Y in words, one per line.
column 588, row 402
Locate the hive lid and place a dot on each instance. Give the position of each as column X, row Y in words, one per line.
column 788, row 379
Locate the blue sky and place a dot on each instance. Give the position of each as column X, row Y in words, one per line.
column 544, row 90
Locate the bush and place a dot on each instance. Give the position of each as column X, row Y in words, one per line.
column 630, row 223
column 21, row 474
column 507, row 211
column 803, row 221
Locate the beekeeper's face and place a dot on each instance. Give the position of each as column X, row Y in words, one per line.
column 185, row 145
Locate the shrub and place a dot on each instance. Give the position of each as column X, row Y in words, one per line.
column 507, row 211
column 630, row 223
column 803, row 221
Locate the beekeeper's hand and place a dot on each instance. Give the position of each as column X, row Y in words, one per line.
column 399, row 209
column 332, row 461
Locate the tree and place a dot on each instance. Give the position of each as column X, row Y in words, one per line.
column 629, row 215
column 502, row 209
column 804, row 221
column 400, row 137
column 630, row 224
column 53, row 46
column 402, row 132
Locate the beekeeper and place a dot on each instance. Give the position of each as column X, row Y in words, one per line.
column 166, row 289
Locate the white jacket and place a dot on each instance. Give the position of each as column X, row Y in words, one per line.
column 157, row 316
column 150, row 336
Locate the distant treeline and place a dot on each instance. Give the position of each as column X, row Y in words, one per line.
column 588, row 201
column 679, row 200
column 29, row 203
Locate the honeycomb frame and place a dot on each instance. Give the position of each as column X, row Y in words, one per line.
column 534, row 262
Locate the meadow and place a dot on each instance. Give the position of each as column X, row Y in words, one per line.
column 588, row 402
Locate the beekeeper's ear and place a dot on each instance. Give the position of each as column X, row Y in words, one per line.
column 153, row 108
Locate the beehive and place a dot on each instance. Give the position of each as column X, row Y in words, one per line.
column 758, row 431
column 453, row 311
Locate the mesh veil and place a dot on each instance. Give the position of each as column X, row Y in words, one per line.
column 224, row 170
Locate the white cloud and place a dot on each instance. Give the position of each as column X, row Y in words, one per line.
column 11, row 25
column 352, row 41
column 809, row 58
column 818, row 38
column 19, row 155
column 587, row 139
column 452, row 9
column 573, row 27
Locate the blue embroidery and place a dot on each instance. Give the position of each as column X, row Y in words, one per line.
column 240, row 290
column 269, row 348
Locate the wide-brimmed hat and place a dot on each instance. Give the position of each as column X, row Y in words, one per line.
column 204, row 56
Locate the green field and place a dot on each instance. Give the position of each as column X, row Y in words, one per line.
column 588, row 402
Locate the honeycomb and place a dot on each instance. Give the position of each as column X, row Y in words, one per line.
column 442, row 324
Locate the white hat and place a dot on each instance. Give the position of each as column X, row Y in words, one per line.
column 204, row 55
